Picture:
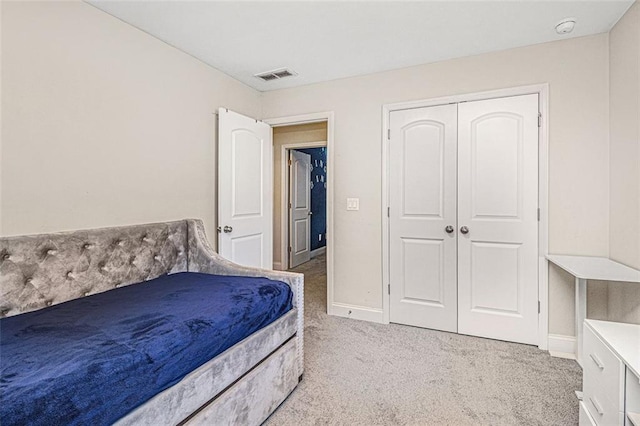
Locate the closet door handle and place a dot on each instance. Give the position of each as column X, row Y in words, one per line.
column 464, row 230
column 227, row 229
column 449, row 229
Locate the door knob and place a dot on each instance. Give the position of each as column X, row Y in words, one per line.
column 310, row 213
column 227, row 229
column 464, row 230
column 449, row 229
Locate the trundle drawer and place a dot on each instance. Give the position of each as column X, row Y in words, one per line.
column 254, row 397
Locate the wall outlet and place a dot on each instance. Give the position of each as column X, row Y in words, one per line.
column 353, row 204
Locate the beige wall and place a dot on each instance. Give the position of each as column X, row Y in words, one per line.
column 312, row 132
column 577, row 71
column 103, row 124
column 624, row 211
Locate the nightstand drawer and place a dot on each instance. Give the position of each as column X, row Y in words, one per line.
column 632, row 399
column 603, row 411
column 603, row 374
column 585, row 417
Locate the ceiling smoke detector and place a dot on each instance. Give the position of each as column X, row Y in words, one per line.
column 275, row 74
column 566, row 26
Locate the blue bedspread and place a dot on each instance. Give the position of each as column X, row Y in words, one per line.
column 92, row 360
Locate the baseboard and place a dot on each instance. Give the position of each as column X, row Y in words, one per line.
column 562, row 346
column 318, row 251
column 363, row 313
column 277, row 266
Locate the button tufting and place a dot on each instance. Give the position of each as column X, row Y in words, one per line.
column 51, row 252
column 70, row 275
column 86, row 293
column 28, row 280
column 6, row 256
column 49, row 303
column 157, row 257
column 86, row 246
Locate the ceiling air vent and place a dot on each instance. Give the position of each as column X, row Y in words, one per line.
column 275, row 74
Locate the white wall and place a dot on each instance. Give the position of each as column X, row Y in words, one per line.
column 103, row 124
column 624, row 70
column 577, row 71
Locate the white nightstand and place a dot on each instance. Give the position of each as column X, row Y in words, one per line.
column 611, row 374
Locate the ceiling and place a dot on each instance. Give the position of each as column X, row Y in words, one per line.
column 323, row 40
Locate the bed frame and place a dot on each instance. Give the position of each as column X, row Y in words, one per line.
column 242, row 385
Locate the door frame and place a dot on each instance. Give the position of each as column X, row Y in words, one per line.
column 542, row 90
column 285, row 196
column 327, row 116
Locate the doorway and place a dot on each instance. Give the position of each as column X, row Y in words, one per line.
column 300, row 193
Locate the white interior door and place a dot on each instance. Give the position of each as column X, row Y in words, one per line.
column 497, row 218
column 299, row 208
column 422, row 205
column 245, row 186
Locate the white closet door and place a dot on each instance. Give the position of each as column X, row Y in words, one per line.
column 245, row 190
column 497, row 203
column 299, row 208
column 422, row 204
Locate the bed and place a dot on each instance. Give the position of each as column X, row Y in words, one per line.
column 146, row 326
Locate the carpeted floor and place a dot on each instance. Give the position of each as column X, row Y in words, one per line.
column 361, row 373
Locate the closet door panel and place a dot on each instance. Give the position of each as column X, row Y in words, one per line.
column 422, row 262
column 497, row 205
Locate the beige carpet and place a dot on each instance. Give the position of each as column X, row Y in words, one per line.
column 360, row 373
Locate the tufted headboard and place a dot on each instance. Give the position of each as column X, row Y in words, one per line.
column 42, row 270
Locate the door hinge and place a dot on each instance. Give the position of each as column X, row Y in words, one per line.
column 388, row 288
column 289, row 249
column 388, row 133
column 539, row 119
column 289, row 205
column 289, row 161
column 538, row 214
column 538, row 306
column 388, row 211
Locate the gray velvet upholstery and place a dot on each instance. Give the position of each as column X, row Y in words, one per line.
column 196, row 389
column 202, row 258
column 37, row 271
column 245, row 403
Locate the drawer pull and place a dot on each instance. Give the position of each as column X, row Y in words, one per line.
column 595, row 404
column 597, row 361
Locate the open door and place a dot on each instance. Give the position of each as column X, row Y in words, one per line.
column 245, row 186
column 299, row 208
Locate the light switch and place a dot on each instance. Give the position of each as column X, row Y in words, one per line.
column 353, row 203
